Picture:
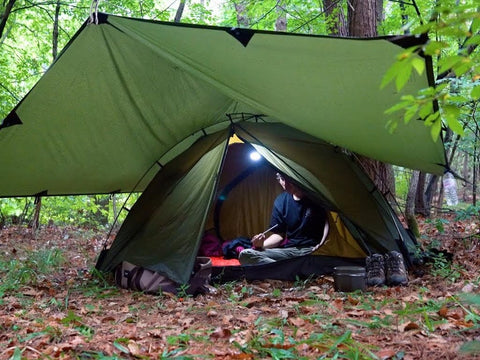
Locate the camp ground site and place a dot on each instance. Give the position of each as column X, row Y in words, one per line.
column 174, row 110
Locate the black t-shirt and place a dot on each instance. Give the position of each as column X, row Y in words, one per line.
column 302, row 222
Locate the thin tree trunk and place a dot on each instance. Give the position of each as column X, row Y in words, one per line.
column 36, row 215
column 420, row 207
column 380, row 15
column 178, row 15
column 335, row 16
column 242, row 15
column 432, row 184
column 114, row 207
column 6, row 11
column 410, row 206
column 281, row 22
column 430, row 193
column 55, row 31
column 466, row 176
column 475, row 169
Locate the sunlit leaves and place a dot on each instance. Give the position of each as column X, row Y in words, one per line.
column 401, row 70
column 454, row 34
column 451, row 115
column 475, row 93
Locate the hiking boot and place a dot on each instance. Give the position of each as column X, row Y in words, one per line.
column 395, row 268
column 375, row 269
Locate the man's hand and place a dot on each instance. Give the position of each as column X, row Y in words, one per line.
column 258, row 240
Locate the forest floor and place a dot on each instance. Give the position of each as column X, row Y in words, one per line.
column 51, row 307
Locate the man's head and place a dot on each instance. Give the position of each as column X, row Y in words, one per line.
column 288, row 186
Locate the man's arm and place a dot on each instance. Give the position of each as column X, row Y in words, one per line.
column 260, row 241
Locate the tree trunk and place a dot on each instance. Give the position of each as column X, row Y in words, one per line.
column 242, row 15
column 6, row 11
column 380, row 15
column 100, row 216
column 432, row 184
column 362, row 18
column 430, row 193
column 281, row 22
column 335, row 17
column 381, row 174
column 55, row 31
column 362, row 22
column 475, row 168
column 36, row 215
column 466, row 176
column 410, row 206
column 178, row 15
column 439, row 203
column 420, row 207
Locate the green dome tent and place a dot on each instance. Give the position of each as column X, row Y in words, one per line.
column 132, row 104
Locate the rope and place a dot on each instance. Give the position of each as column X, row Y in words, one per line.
column 94, row 12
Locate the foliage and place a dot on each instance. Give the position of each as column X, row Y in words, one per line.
column 469, row 212
column 302, row 16
column 443, row 267
column 454, row 36
column 92, row 211
column 402, row 178
column 31, row 270
column 63, row 311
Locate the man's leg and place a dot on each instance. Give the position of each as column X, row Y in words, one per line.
column 251, row 256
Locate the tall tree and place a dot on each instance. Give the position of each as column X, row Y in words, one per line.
column 362, row 22
column 281, row 22
column 242, row 14
column 410, row 207
column 336, row 23
column 362, row 18
column 179, row 13
column 55, row 31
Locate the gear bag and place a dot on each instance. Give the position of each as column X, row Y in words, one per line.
column 133, row 277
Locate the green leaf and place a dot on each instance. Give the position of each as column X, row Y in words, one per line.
column 418, row 64
column 430, row 119
column 470, row 347
column 475, row 94
column 392, row 125
column 120, row 347
column 390, row 74
column 452, row 113
column 474, row 40
column 422, row 29
column 425, row 110
column 448, row 62
column 463, row 67
column 436, row 128
column 434, row 47
column 397, row 107
column 410, row 113
column 457, row 99
column 403, row 76
column 476, row 24
column 17, row 354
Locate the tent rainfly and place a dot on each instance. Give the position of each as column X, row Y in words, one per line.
column 139, row 105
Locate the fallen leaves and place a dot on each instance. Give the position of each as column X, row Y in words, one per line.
column 254, row 319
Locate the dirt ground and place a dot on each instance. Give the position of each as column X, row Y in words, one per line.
column 63, row 312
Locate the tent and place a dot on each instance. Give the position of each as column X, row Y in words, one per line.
column 139, row 105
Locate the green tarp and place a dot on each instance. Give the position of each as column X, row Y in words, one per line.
column 128, row 94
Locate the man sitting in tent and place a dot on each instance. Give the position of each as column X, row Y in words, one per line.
column 299, row 227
